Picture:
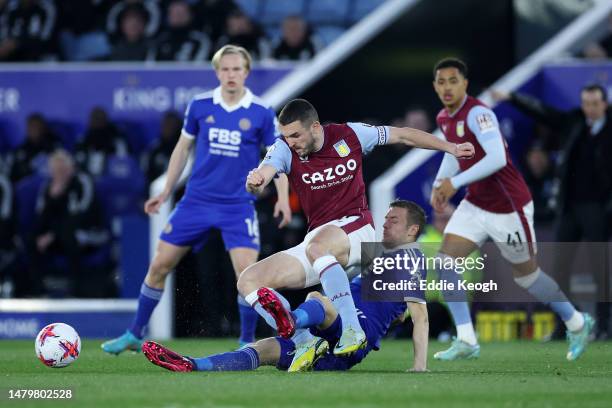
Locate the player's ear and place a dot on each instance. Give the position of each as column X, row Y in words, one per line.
column 413, row 230
column 435, row 85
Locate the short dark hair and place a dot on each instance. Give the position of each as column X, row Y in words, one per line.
column 416, row 214
column 596, row 87
column 298, row 109
column 451, row 62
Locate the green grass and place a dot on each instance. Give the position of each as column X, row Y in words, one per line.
column 520, row 374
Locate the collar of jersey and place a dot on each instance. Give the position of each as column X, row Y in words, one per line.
column 245, row 102
column 465, row 98
column 410, row 245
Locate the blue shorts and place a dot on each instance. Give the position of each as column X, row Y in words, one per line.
column 328, row 362
column 190, row 223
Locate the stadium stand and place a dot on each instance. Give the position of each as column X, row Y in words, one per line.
column 273, row 13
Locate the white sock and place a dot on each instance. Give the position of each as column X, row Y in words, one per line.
column 337, row 288
column 576, row 322
column 252, row 299
column 301, row 336
column 465, row 333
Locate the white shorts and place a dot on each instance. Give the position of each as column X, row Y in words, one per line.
column 513, row 232
column 356, row 237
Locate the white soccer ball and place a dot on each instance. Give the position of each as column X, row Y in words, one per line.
column 57, row 345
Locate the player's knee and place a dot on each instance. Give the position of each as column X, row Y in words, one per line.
column 243, row 285
column 420, row 318
column 268, row 350
column 248, row 281
column 525, row 269
column 315, row 250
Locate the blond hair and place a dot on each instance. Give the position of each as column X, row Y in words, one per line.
column 61, row 155
column 231, row 49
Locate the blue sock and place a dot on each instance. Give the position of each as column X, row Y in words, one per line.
column 239, row 360
column 337, row 288
column 456, row 300
column 148, row 299
column 309, row 314
column 248, row 321
column 545, row 289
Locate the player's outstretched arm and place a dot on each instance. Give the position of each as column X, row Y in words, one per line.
column 420, row 335
column 282, row 206
column 259, row 178
column 178, row 160
column 424, row 140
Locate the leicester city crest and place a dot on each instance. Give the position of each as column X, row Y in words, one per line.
column 244, row 124
column 461, row 128
column 342, row 148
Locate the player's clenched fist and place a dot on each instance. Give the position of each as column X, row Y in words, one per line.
column 254, row 181
column 464, row 150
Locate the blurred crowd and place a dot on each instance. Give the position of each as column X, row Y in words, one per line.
column 143, row 30
column 60, row 206
column 601, row 48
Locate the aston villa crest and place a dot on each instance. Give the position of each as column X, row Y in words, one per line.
column 342, row 148
column 461, row 128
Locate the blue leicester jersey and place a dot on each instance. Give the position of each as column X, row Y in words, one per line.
column 377, row 316
column 229, row 140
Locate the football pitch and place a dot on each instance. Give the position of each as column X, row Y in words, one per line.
column 515, row 374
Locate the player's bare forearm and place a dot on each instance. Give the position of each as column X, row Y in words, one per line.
column 418, row 138
column 282, row 208
column 282, row 188
column 420, row 334
column 424, row 140
column 177, row 163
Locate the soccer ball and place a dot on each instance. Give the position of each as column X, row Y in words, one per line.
column 57, row 345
